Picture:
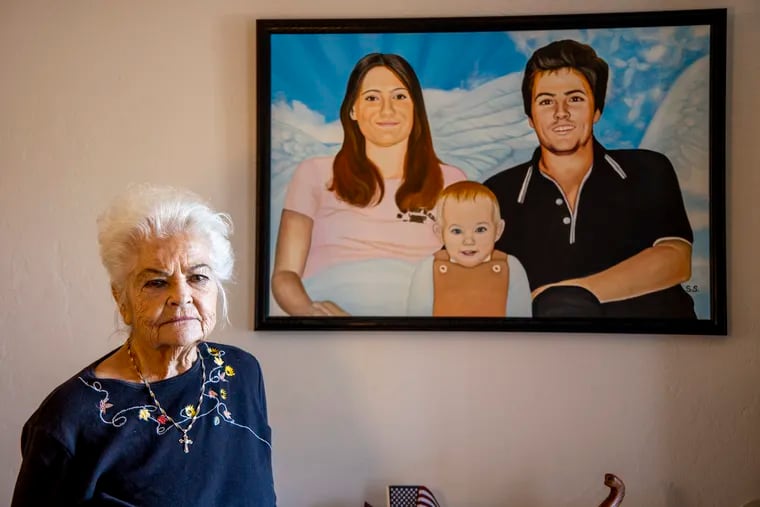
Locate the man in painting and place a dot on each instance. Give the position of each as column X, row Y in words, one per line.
column 601, row 233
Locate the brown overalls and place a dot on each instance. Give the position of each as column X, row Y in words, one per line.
column 480, row 291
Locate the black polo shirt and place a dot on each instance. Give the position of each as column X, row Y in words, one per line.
column 629, row 200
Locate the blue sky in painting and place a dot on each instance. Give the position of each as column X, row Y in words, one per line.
column 316, row 66
column 312, row 69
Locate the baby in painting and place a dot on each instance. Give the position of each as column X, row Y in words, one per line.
column 469, row 278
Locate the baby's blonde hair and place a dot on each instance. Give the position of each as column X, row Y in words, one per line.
column 464, row 191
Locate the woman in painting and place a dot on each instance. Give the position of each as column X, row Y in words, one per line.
column 372, row 200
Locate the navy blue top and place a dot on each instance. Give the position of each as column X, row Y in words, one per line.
column 100, row 441
column 629, row 200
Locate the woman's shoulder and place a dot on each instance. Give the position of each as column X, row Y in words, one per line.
column 72, row 388
column 231, row 353
column 60, row 410
column 452, row 174
column 316, row 164
column 315, row 171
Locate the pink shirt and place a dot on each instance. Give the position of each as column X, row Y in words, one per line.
column 343, row 232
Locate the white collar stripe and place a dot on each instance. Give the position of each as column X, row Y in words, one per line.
column 524, row 188
column 615, row 166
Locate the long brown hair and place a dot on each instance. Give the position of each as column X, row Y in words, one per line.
column 356, row 180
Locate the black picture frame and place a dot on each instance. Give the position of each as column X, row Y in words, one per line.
column 307, row 56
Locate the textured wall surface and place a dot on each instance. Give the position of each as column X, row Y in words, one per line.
column 95, row 95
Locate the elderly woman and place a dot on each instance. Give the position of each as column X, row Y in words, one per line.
column 167, row 418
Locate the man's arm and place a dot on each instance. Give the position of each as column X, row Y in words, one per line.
column 658, row 267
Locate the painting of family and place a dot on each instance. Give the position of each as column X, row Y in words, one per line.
column 552, row 174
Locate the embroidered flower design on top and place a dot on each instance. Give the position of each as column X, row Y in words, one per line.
column 218, row 375
column 104, row 405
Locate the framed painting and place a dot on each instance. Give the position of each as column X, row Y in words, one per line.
column 536, row 173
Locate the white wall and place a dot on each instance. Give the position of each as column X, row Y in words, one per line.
column 94, row 95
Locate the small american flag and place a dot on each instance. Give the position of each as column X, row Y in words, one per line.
column 411, row 496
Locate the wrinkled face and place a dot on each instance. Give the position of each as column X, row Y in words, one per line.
column 170, row 297
column 468, row 230
column 383, row 108
column 563, row 111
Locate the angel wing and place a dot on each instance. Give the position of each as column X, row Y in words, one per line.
column 485, row 129
column 290, row 144
column 680, row 129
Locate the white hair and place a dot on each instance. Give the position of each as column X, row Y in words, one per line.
column 149, row 211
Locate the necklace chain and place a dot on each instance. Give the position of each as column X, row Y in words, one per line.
column 185, row 440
